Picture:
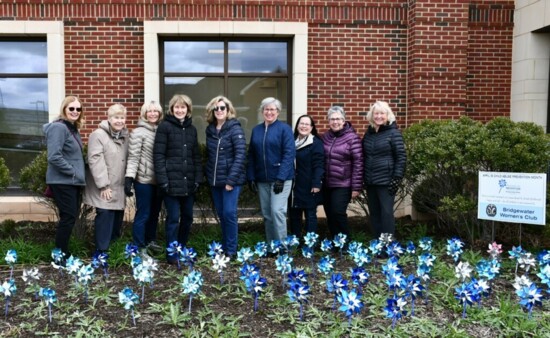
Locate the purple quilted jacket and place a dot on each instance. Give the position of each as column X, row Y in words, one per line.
column 343, row 159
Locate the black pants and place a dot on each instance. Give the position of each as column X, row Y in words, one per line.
column 380, row 204
column 67, row 200
column 107, row 224
column 335, row 203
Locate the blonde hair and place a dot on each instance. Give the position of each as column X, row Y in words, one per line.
column 180, row 99
column 155, row 105
column 381, row 106
column 231, row 113
column 116, row 109
column 63, row 116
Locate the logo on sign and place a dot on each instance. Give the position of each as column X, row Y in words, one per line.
column 491, row 210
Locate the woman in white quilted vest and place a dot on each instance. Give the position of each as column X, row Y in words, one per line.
column 140, row 172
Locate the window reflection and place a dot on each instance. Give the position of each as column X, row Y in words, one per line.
column 193, row 57
column 258, row 57
column 23, row 57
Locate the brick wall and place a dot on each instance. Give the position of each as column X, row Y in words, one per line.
column 428, row 58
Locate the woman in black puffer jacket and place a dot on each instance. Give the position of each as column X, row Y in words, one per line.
column 225, row 168
column 178, row 167
column 384, row 167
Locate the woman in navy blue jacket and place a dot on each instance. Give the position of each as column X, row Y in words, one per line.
column 271, row 167
column 225, row 168
column 310, row 168
column 385, row 159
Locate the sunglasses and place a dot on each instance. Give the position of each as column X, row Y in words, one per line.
column 222, row 108
column 79, row 109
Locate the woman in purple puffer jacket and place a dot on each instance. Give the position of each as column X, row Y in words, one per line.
column 343, row 170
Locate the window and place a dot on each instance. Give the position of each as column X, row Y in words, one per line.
column 245, row 71
column 23, row 101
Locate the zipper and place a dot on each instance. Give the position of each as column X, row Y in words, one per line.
column 216, row 163
column 263, row 145
column 330, row 156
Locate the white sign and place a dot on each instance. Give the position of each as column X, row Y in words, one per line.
column 512, row 197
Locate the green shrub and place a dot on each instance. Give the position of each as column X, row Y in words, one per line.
column 4, row 175
column 444, row 158
column 33, row 176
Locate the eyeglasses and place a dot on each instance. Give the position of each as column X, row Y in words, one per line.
column 301, row 124
column 222, row 108
column 79, row 109
column 334, row 119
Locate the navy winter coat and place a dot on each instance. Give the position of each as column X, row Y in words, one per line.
column 176, row 156
column 310, row 168
column 385, row 156
column 271, row 153
column 226, row 154
column 343, row 159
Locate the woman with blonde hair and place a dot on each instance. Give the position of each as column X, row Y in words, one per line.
column 107, row 150
column 140, row 173
column 225, row 167
column 65, row 174
column 178, row 168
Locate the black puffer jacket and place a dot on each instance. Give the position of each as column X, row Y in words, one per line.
column 384, row 155
column 226, row 154
column 177, row 157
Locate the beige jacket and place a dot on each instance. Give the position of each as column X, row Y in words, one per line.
column 107, row 165
column 140, row 153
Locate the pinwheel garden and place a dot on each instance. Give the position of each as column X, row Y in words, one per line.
column 317, row 286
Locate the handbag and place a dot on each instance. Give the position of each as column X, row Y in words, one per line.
column 48, row 192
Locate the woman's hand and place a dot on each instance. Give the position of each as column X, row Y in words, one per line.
column 228, row 187
column 354, row 194
column 106, row 193
column 315, row 190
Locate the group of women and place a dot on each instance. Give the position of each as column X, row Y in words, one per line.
column 160, row 161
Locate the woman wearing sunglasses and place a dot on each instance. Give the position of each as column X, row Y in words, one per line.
column 225, row 168
column 65, row 172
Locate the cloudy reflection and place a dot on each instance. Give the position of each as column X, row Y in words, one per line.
column 24, row 93
column 23, row 57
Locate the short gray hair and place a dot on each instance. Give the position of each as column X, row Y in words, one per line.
column 336, row 109
column 270, row 100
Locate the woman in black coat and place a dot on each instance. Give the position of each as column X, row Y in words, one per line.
column 384, row 167
column 178, row 167
column 310, row 168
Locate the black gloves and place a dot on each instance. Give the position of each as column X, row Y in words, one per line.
column 394, row 186
column 162, row 190
column 253, row 187
column 278, row 186
column 128, row 182
column 196, row 188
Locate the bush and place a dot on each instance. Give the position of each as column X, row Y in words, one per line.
column 5, row 177
column 444, row 158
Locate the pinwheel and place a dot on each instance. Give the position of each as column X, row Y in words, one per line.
column 214, row 249
column 191, row 285
column 245, row 255
column 413, row 289
column 219, row 262
column 299, row 292
column 174, row 250
column 283, row 264
column 58, row 258
column 326, row 245
column 128, row 299
column 529, row 296
column 425, row 244
column 311, row 239
column 73, row 265
column 335, row 285
column 143, row 275
column 325, row 265
column 84, row 276
column 463, row 270
column 307, row 252
column 361, row 256
column 275, row 247
column 495, row 250
column 543, row 258
column 8, row 289
column 411, row 248
column 394, row 249
column 188, row 257
column 11, row 259
column 340, row 241
column 31, row 278
column 395, row 309
column 526, row 261
column 385, row 239
column 49, row 298
column 255, row 284
column 359, row 277
column 466, row 294
column 350, row 303
column 99, row 260
column 291, row 242
column 455, row 248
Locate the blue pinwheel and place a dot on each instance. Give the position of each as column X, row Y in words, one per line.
column 410, row 248
column 128, row 299
column 188, row 257
column 307, row 252
column 375, row 247
column 143, row 274
column 515, row 254
column 8, row 289
column 395, row 309
column 326, row 245
column 394, row 249
column 466, row 294
column 325, row 265
column 192, row 284
column 413, row 289
column 175, row 250
column 291, row 242
column 73, row 265
column 296, row 276
column 359, row 277
column 455, row 248
column 49, row 298
column 283, row 264
column 311, row 239
column 131, row 250
column 360, row 256
column 255, row 284
column 543, row 258
column 245, row 255
column 58, row 258
column 275, row 246
column 11, row 259
column 84, row 276
column 214, row 249
column 425, row 244
column 335, row 285
column 350, row 303
column 340, row 241
column 482, row 288
column 544, row 275
column 260, row 250
column 247, row 270
column 530, row 296
column 299, row 292
column 99, row 260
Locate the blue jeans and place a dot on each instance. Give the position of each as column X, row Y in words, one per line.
column 146, row 219
column 107, row 227
column 335, row 203
column 226, row 208
column 179, row 217
column 274, row 208
column 295, row 216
